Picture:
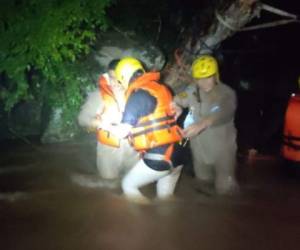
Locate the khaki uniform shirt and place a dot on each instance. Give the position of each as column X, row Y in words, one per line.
column 218, row 142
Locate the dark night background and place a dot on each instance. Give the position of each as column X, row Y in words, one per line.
column 268, row 59
column 51, row 195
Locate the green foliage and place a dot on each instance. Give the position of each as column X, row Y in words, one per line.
column 41, row 41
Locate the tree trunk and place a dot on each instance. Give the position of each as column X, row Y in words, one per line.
column 227, row 21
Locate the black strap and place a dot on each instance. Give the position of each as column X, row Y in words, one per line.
column 165, row 118
column 154, row 129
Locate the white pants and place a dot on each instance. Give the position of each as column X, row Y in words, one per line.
column 141, row 175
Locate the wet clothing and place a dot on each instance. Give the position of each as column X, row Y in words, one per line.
column 291, row 133
column 141, row 175
column 214, row 149
column 147, row 102
column 137, row 107
column 140, row 104
column 159, row 126
column 150, row 103
column 112, row 162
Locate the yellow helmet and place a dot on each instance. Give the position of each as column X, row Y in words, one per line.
column 126, row 68
column 205, row 66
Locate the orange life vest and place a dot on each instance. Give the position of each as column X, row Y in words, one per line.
column 111, row 108
column 158, row 128
column 291, row 140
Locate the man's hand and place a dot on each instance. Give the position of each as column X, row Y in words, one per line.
column 197, row 128
column 104, row 124
column 120, row 130
column 177, row 109
column 95, row 123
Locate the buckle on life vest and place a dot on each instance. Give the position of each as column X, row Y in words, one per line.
column 105, row 137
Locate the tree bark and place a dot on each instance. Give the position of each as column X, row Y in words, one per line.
column 226, row 22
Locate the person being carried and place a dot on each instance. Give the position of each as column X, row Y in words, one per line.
column 149, row 122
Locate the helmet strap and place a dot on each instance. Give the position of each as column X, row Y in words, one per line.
column 135, row 75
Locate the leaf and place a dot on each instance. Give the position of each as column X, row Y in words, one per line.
column 40, row 39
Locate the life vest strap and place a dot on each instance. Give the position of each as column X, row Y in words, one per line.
column 147, row 123
column 105, row 137
column 161, row 127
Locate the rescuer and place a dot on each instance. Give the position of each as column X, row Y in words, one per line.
column 102, row 108
column 149, row 123
column 210, row 127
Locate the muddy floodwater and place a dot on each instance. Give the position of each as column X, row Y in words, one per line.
column 50, row 199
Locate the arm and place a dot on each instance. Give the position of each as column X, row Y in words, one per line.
column 88, row 114
column 177, row 109
column 120, row 130
column 221, row 113
column 182, row 99
column 139, row 104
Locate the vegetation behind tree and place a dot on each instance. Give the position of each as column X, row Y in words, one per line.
column 41, row 41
